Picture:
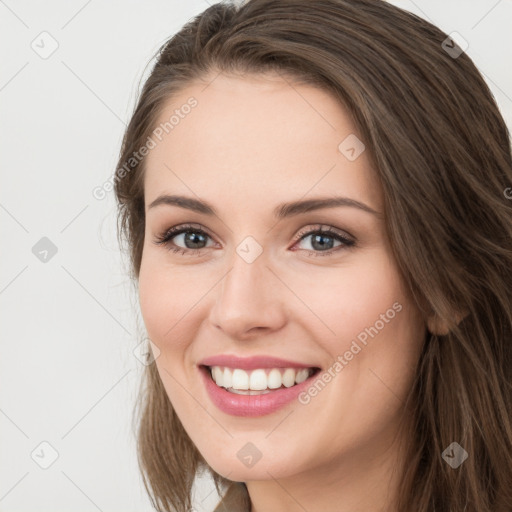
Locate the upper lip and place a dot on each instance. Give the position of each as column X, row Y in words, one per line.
column 252, row 363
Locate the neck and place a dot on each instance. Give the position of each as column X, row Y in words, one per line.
column 364, row 480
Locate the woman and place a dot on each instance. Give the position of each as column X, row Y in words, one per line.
column 378, row 376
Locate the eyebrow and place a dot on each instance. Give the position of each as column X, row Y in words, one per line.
column 280, row 212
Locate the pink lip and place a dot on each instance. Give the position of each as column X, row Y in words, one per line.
column 251, row 405
column 252, row 363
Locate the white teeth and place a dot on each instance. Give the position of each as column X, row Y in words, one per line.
column 258, row 380
column 240, row 380
column 216, row 374
column 289, row 377
column 274, row 379
column 227, row 378
column 302, row 375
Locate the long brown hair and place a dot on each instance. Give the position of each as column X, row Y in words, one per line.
column 442, row 153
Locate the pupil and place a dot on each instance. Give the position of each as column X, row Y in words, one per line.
column 192, row 237
column 322, row 245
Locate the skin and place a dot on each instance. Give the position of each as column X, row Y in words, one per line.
column 251, row 143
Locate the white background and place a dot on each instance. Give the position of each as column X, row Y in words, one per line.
column 68, row 374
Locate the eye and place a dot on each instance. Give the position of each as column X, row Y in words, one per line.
column 194, row 236
column 320, row 241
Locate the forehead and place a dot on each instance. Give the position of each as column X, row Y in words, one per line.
column 257, row 137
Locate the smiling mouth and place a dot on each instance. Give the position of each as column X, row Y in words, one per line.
column 258, row 381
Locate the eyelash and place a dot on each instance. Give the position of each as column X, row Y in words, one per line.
column 165, row 239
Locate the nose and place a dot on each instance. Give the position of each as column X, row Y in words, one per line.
column 250, row 300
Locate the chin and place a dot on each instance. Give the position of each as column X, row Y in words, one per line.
column 235, row 468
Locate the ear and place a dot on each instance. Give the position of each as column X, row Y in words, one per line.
column 437, row 326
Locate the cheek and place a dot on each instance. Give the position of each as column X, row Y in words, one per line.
column 150, row 299
column 159, row 295
column 350, row 299
column 169, row 306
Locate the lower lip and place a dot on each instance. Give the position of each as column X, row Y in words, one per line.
column 251, row 405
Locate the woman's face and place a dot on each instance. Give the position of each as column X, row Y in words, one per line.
column 260, row 284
